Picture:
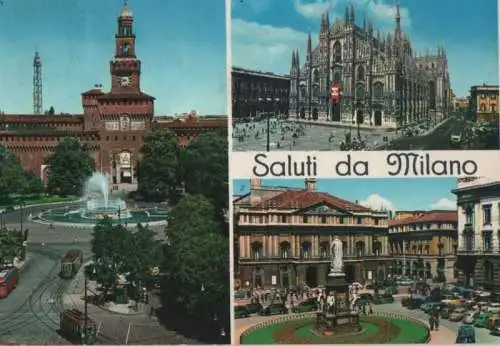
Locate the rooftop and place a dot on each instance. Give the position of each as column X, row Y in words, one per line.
column 259, row 73
column 448, row 216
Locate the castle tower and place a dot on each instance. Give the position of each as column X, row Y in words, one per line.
column 37, row 85
column 125, row 67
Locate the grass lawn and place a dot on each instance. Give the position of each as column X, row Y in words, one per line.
column 407, row 333
column 38, row 199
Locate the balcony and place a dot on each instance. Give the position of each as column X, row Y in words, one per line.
column 309, row 259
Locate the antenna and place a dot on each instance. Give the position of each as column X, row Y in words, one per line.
column 37, row 85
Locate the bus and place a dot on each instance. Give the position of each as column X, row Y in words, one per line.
column 72, row 326
column 70, row 264
column 9, row 278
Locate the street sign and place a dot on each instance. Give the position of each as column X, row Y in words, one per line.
column 336, row 93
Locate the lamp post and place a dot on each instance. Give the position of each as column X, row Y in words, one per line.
column 269, row 100
column 21, row 206
column 85, row 306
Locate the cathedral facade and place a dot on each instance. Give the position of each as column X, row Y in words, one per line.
column 383, row 81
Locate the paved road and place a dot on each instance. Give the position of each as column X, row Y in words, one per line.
column 439, row 139
column 30, row 312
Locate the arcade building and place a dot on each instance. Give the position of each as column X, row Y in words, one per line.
column 283, row 237
column 478, row 257
column 113, row 124
column 423, row 245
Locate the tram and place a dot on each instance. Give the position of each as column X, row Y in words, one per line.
column 70, row 264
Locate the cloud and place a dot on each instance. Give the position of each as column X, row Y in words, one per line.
column 444, row 204
column 377, row 202
column 265, row 47
column 312, row 10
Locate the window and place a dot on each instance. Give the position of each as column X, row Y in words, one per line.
column 360, row 92
column 469, row 216
column 323, row 219
column 487, row 241
column 359, row 220
column 493, row 108
column 283, row 218
column 361, row 73
column 341, row 220
column 487, row 214
column 378, row 90
column 376, row 222
column 305, row 250
column 285, row 250
column 305, row 219
column 337, row 52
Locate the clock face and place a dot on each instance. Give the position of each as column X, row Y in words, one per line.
column 125, row 81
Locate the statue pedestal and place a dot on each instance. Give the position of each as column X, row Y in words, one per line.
column 337, row 284
column 328, row 324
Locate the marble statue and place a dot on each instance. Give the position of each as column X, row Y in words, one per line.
column 353, row 296
column 330, row 302
column 336, row 257
column 320, row 301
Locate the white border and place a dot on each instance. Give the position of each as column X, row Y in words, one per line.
column 229, row 62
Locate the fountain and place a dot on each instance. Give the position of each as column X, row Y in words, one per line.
column 97, row 205
column 336, row 313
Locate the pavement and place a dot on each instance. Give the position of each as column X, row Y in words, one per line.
column 318, row 136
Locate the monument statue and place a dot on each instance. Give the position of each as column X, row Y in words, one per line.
column 320, row 301
column 330, row 303
column 336, row 258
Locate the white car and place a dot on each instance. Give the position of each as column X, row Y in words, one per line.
column 494, row 307
column 455, row 137
column 469, row 317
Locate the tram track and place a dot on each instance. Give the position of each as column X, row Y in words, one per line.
column 42, row 306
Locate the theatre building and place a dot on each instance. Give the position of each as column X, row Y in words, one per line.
column 283, row 237
column 478, row 258
column 423, row 245
column 113, row 124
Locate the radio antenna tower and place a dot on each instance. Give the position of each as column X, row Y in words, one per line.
column 37, row 85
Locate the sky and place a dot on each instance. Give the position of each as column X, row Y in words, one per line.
column 182, row 45
column 468, row 30
column 389, row 194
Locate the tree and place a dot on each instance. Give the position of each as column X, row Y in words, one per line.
column 145, row 255
column 198, row 264
column 11, row 245
column 158, row 169
column 51, row 110
column 12, row 174
column 205, row 169
column 34, row 185
column 70, row 166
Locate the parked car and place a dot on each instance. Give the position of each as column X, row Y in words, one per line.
column 254, row 308
column 481, row 306
column 492, row 321
column 457, row 315
column 494, row 307
column 240, row 311
column 446, row 311
column 495, row 330
column 481, row 319
column 469, row 317
column 240, row 294
column 405, row 282
column 275, row 309
column 385, row 298
column 427, row 307
column 306, row 306
column 466, row 335
column 455, row 138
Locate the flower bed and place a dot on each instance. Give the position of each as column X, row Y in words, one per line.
column 378, row 328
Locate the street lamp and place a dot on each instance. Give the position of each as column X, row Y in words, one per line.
column 268, row 125
column 85, row 299
column 21, row 206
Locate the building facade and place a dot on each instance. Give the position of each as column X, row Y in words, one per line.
column 484, row 104
column 383, row 81
column 478, row 258
column 283, row 237
column 423, row 245
column 461, row 103
column 113, row 123
column 255, row 93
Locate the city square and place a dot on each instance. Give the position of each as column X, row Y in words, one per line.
column 360, row 82
column 303, row 254
column 106, row 211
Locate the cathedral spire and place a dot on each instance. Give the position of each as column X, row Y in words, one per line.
column 346, row 16
column 293, row 60
column 309, row 44
column 398, row 23
column 327, row 21
column 297, row 58
column 352, row 16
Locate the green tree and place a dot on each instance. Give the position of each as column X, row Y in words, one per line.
column 11, row 244
column 158, row 168
column 198, row 263
column 34, row 185
column 70, row 166
column 205, row 169
column 12, row 174
column 145, row 254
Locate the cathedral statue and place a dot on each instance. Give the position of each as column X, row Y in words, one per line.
column 336, row 257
